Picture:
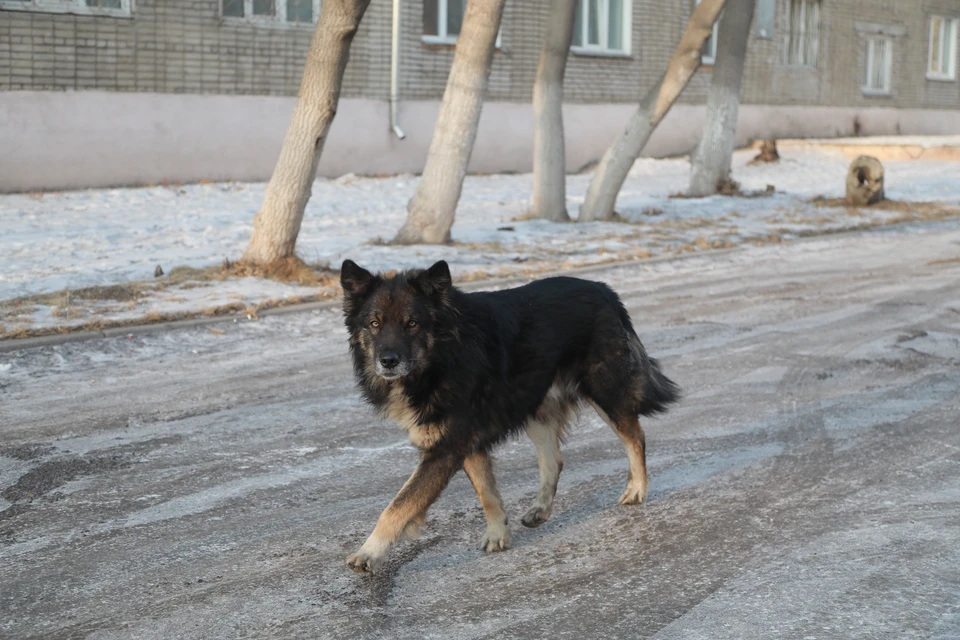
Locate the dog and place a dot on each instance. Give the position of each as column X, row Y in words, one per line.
column 461, row 372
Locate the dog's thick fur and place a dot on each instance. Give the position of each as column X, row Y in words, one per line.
column 463, row 371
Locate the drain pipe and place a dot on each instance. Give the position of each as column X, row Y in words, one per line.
column 395, row 71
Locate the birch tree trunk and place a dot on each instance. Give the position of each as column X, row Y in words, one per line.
column 549, row 154
column 712, row 157
column 276, row 225
column 431, row 210
column 602, row 193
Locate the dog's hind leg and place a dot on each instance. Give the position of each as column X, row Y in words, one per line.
column 546, row 437
column 479, row 468
column 405, row 511
column 635, row 442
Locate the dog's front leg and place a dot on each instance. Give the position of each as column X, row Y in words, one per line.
column 479, row 468
column 421, row 490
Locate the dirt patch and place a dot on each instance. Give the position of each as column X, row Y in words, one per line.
column 26, row 452
column 56, row 473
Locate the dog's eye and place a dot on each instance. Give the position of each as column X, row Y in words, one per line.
column 375, row 324
column 411, row 323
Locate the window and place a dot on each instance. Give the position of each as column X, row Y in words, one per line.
column 442, row 20
column 879, row 62
column 803, row 38
column 602, row 26
column 116, row 8
column 276, row 12
column 942, row 62
column 709, row 53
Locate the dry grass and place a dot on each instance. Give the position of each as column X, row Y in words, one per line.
column 252, row 312
column 291, row 269
column 923, row 210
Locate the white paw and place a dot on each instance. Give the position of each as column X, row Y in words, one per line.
column 368, row 559
column 535, row 517
column 633, row 494
column 365, row 562
column 497, row 538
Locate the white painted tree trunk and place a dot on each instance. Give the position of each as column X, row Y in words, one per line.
column 549, row 154
column 431, row 210
column 712, row 157
column 602, row 193
column 276, row 225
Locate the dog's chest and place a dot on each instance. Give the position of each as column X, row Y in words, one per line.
column 398, row 409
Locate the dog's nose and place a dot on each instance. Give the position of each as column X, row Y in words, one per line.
column 389, row 360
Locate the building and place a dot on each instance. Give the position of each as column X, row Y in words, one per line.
column 116, row 92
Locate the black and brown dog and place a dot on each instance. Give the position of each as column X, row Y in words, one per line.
column 463, row 371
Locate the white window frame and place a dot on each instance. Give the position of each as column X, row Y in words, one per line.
column 802, row 31
column 871, row 62
column 710, row 58
column 443, row 37
column 278, row 19
column 948, row 29
column 76, row 7
column 603, row 49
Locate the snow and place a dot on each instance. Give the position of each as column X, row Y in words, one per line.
column 69, row 240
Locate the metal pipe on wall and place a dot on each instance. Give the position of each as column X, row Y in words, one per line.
column 395, row 71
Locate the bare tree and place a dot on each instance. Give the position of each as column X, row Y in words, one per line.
column 431, row 210
column 602, row 193
column 549, row 159
column 712, row 157
column 276, row 225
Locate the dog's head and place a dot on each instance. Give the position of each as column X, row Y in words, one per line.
column 393, row 319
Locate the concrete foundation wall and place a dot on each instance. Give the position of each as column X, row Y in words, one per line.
column 64, row 140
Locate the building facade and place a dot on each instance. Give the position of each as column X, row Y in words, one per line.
column 115, row 92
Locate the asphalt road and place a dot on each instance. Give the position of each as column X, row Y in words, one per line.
column 210, row 484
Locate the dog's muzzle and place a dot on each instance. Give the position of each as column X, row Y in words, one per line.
column 390, row 366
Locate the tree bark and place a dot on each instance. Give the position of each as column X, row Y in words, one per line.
column 549, row 159
column 430, row 211
column 602, row 193
column 276, row 225
column 712, row 157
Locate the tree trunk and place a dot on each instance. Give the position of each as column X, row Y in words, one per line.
column 616, row 163
column 549, row 159
column 431, row 209
column 276, row 225
column 712, row 157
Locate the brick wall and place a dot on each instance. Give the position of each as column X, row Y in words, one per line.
column 182, row 46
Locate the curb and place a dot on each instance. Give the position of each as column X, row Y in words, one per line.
column 7, row 346
column 17, row 344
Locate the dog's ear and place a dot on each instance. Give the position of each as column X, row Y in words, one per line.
column 354, row 279
column 434, row 281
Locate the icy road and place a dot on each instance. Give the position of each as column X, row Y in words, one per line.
column 210, row 483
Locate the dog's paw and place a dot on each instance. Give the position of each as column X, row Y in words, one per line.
column 535, row 517
column 364, row 562
column 633, row 494
column 496, row 539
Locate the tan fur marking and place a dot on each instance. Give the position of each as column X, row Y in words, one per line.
column 398, row 409
column 635, row 443
column 546, row 438
column 405, row 512
column 479, row 468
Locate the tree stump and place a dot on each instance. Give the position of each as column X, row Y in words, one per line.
column 865, row 181
column 768, row 152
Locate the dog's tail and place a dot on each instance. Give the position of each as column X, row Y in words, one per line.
column 655, row 391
